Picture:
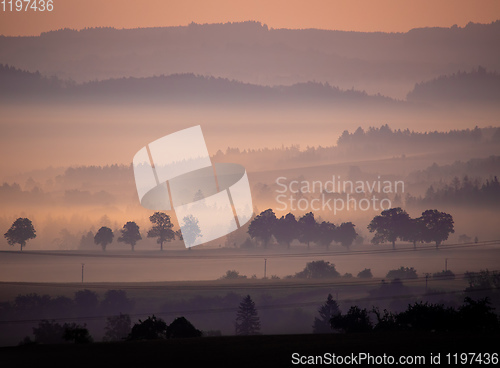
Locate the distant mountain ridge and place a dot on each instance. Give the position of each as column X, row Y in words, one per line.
column 477, row 86
column 386, row 63
column 23, row 85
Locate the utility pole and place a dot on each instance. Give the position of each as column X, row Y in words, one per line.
column 426, row 277
column 265, row 266
column 446, row 264
column 83, row 265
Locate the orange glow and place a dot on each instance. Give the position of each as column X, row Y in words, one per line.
column 349, row 15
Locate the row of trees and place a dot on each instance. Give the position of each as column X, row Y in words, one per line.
column 391, row 225
column 23, row 230
column 130, row 234
column 395, row 223
column 119, row 328
column 306, row 230
column 473, row 315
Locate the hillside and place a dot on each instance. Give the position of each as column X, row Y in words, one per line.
column 386, row 63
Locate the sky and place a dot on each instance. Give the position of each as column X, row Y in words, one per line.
column 348, row 15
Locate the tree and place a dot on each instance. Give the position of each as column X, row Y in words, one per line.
column 162, row 228
column 103, row 237
column 307, row 227
column 130, row 234
column 247, row 318
column 48, row 332
column 86, row 301
column 326, row 233
column 181, row 328
column 356, row 320
column 116, row 301
column 285, row 229
column 326, row 312
column 389, row 226
column 20, row 232
column 151, row 329
column 437, row 226
column 117, row 327
column 76, row 333
column 190, row 230
column 402, row 273
column 318, row 270
column 262, row 226
column 414, row 231
column 365, row 274
column 346, row 234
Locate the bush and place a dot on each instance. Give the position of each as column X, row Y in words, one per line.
column 444, row 275
column 318, row 270
column 232, row 275
column 402, row 273
column 365, row 274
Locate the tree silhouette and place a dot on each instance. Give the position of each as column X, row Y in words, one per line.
column 182, row 328
column 318, row 270
column 308, row 228
column 116, row 301
column 76, row 333
column 190, row 230
column 130, row 234
column 356, row 320
column 326, row 312
column 20, row 232
column 285, row 229
column 345, row 234
column 162, row 228
column 437, row 226
column 247, row 318
column 365, row 274
column 48, row 332
column 262, row 226
column 326, row 233
column 389, row 226
column 150, row 329
column 86, row 301
column 117, row 327
column 103, row 237
column 414, row 231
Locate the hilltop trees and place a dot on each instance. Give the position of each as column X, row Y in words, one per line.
column 263, row 226
column 20, row 232
column 306, row 230
column 162, row 228
column 103, row 237
column 286, row 230
column 130, row 234
column 389, row 226
column 395, row 223
column 437, row 226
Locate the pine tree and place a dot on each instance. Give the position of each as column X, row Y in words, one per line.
column 247, row 318
column 326, row 312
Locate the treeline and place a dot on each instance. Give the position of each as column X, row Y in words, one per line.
column 306, row 230
column 385, row 135
column 474, row 168
column 391, row 225
column 461, row 192
column 477, row 85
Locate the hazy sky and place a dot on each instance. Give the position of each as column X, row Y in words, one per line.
column 350, row 15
